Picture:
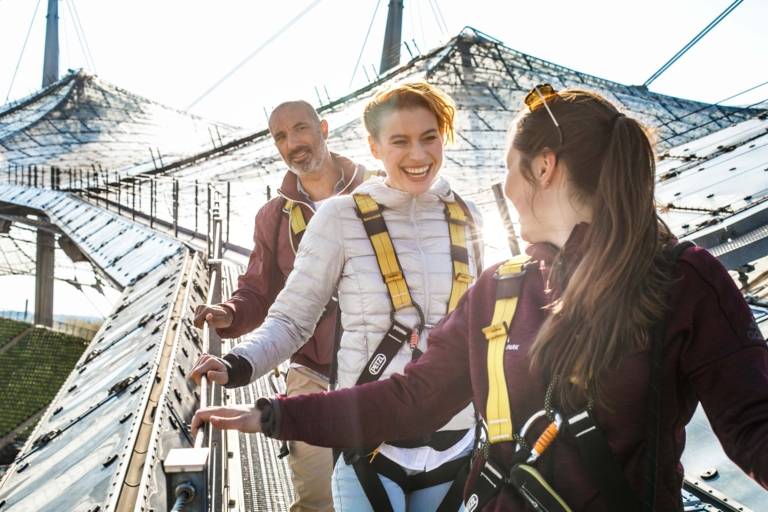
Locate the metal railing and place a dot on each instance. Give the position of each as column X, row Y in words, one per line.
column 178, row 205
column 195, row 476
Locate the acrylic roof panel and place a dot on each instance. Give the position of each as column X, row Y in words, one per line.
column 82, row 121
column 488, row 82
column 91, row 423
column 18, row 256
column 123, row 250
column 714, row 191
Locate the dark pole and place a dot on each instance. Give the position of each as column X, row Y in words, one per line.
column 175, row 189
column 229, row 196
column 51, row 59
column 390, row 52
column 208, row 215
column 501, row 203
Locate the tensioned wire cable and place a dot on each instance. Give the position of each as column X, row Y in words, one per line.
column 718, row 103
column 712, row 120
column 81, row 35
column 438, row 13
column 24, row 46
column 692, row 42
column 255, row 52
column 365, row 41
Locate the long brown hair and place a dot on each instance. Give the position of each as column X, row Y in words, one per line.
column 617, row 292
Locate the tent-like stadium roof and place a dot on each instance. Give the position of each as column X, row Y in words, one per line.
column 81, row 121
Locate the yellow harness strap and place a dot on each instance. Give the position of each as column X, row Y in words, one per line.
column 457, row 224
column 498, row 414
column 370, row 213
column 389, row 265
column 295, row 217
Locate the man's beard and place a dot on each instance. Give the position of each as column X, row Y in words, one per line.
column 307, row 166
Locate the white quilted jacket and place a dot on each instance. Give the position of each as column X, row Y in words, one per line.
column 336, row 253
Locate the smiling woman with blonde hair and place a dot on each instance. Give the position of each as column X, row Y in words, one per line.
column 401, row 251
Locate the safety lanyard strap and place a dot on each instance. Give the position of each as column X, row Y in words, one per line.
column 462, row 278
column 295, row 217
column 388, row 347
column 376, row 229
column 498, row 413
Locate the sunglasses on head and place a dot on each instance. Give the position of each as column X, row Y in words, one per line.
column 537, row 97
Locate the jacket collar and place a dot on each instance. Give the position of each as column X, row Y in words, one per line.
column 571, row 252
column 352, row 173
column 440, row 191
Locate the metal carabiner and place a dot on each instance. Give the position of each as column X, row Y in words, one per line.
column 415, row 331
column 546, row 438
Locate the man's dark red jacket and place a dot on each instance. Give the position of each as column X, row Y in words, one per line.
column 259, row 286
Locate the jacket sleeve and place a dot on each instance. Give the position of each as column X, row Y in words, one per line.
column 250, row 302
column 726, row 362
column 296, row 310
column 431, row 391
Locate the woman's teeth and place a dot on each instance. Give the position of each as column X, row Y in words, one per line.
column 416, row 172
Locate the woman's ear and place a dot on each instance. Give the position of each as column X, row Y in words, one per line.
column 545, row 168
column 374, row 147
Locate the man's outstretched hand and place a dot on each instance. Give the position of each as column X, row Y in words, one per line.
column 217, row 316
column 245, row 418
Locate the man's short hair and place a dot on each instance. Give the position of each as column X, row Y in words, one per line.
column 296, row 103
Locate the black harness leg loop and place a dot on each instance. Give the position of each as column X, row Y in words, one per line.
column 372, row 486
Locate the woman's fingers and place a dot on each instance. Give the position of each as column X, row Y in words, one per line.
column 245, row 418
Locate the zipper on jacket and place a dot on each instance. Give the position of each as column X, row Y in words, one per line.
column 424, row 262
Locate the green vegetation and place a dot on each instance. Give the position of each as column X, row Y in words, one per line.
column 32, row 371
column 9, row 329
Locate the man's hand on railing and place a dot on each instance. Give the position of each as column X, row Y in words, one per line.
column 217, row 316
column 215, row 368
column 245, row 418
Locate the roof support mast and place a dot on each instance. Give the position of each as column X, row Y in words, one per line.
column 45, row 261
column 390, row 53
column 51, row 62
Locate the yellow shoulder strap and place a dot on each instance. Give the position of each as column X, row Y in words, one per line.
column 498, row 413
column 462, row 278
column 295, row 217
column 370, row 213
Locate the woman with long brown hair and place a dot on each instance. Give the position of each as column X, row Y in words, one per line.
column 565, row 352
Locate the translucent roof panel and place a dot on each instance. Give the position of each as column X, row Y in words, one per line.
column 714, row 191
column 123, row 250
column 76, row 457
column 488, row 82
column 18, row 257
column 82, row 121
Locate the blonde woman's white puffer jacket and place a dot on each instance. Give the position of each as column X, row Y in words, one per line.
column 335, row 252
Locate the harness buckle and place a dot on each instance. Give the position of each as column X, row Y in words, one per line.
column 464, row 278
column 495, row 331
column 389, row 277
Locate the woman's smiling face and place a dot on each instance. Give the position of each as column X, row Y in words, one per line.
column 410, row 146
